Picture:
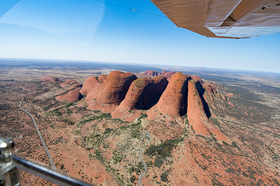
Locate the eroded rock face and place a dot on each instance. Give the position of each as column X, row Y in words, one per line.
column 126, row 97
column 89, row 85
column 151, row 73
column 144, row 92
column 197, row 115
column 71, row 96
column 210, row 91
column 163, row 72
column 71, row 84
column 102, row 78
column 197, row 78
column 51, row 79
column 231, row 95
column 108, row 95
column 168, row 75
column 174, row 99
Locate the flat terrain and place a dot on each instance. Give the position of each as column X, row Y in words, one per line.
column 92, row 146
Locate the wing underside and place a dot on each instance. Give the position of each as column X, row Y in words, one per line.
column 224, row 18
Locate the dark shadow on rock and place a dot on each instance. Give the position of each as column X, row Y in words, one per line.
column 184, row 102
column 201, row 91
column 80, row 96
column 126, row 85
column 151, row 95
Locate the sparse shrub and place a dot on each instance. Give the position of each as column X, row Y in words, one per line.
column 132, row 179
column 192, row 129
column 163, row 149
column 135, row 134
column 98, row 155
column 108, row 130
column 117, row 159
column 149, row 164
column 143, row 116
column 158, row 161
column 62, row 167
column 163, row 177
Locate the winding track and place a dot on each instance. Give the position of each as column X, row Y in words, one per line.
column 53, row 166
column 140, row 178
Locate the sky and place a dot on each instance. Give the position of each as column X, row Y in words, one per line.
column 125, row 31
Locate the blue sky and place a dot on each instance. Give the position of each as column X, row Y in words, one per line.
column 96, row 30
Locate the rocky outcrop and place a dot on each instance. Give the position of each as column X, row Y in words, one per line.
column 150, row 73
column 71, row 84
column 231, row 95
column 163, row 72
column 51, row 79
column 143, row 93
column 102, row 78
column 108, row 95
column 71, row 96
column 197, row 78
column 174, row 99
column 126, row 97
column 90, row 85
column 168, row 75
column 197, row 114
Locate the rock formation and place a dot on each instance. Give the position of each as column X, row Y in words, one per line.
column 102, row 78
column 108, row 95
column 168, row 75
column 150, row 73
column 231, row 95
column 90, row 85
column 197, row 114
column 71, row 96
column 71, row 84
column 126, row 97
column 197, row 78
column 51, row 79
column 143, row 93
column 174, row 99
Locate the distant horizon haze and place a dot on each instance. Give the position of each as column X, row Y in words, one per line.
column 162, row 67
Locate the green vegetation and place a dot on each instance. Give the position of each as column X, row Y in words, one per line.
column 132, row 179
column 217, row 123
column 50, row 105
column 185, row 119
column 164, row 149
column 92, row 118
column 142, row 116
column 139, row 82
column 163, row 177
column 103, row 115
column 117, row 159
column 135, row 134
column 67, row 106
column 131, row 126
column 192, row 129
column 55, row 112
column 158, row 161
column 108, row 130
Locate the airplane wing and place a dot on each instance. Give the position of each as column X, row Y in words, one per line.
column 224, row 18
